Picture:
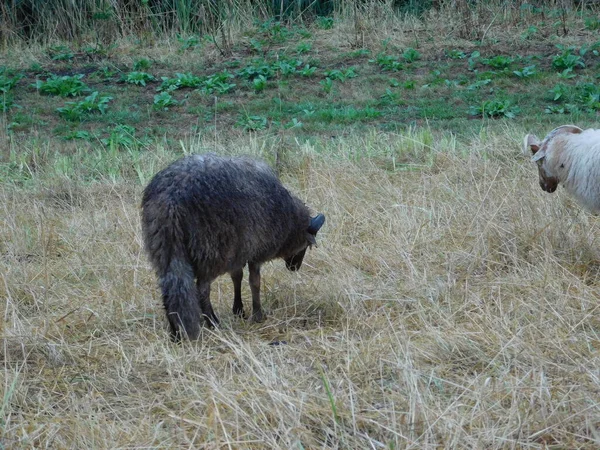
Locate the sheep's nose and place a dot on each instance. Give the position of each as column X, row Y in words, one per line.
column 548, row 187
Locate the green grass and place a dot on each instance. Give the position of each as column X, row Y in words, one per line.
column 396, row 86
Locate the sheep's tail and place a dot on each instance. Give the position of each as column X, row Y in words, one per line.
column 180, row 299
column 165, row 243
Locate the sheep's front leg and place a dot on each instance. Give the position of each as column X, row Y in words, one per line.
column 257, row 312
column 204, row 299
column 238, row 305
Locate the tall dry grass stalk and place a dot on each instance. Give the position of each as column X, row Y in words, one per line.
column 450, row 304
column 104, row 21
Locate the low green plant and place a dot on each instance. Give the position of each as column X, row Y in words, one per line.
column 456, row 54
column 189, row 80
column 560, row 109
column 97, row 50
column 387, row 62
column 257, row 45
column 251, row 122
column 218, row 83
column 294, row 123
column 257, row 68
column 259, row 83
column 61, row 53
column 65, row 86
column 592, row 23
column 188, row 42
column 181, row 80
column 142, row 64
column 121, row 136
column 6, row 102
column 594, row 48
column 499, row 62
column 286, row 66
column 308, row 70
column 588, row 96
column 390, row 97
column 495, row 108
column 303, row 32
column 325, row 23
column 8, row 82
column 473, row 60
column 435, row 78
column 104, row 73
column 164, row 101
column 526, row 72
column 303, row 47
column 168, row 84
column 529, row 32
column 567, row 59
column 411, row 55
column 340, row 75
column 275, row 31
column 36, row 67
column 75, row 111
column 327, row 85
column 559, row 92
column 138, row 78
column 359, row 53
column 79, row 135
column 567, row 74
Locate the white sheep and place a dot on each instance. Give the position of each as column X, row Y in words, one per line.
column 571, row 156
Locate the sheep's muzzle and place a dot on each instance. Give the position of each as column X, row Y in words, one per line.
column 294, row 262
column 549, row 184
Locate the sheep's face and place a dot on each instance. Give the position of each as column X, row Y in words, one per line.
column 548, row 180
column 294, row 262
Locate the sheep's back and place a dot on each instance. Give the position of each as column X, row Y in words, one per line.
column 229, row 211
column 580, row 153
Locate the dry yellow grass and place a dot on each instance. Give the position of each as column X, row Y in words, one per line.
column 450, row 304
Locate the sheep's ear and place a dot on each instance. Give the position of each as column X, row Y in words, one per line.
column 538, row 155
column 531, row 142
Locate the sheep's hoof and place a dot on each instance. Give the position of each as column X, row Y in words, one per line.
column 211, row 321
column 258, row 316
column 239, row 312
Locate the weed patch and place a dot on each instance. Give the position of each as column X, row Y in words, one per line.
column 76, row 111
column 66, row 86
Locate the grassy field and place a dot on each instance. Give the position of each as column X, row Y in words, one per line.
column 450, row 303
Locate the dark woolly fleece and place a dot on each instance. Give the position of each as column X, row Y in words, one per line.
column 206, row 215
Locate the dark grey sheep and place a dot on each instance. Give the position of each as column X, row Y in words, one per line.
column 206, row 215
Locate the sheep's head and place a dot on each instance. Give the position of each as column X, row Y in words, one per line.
column 540, row 150
column 294, row 262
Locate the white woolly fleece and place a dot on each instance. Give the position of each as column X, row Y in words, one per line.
column 575, row 160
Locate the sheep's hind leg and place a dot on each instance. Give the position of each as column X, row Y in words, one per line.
column 257, row 312
column 208, row 313
column 238, row 305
